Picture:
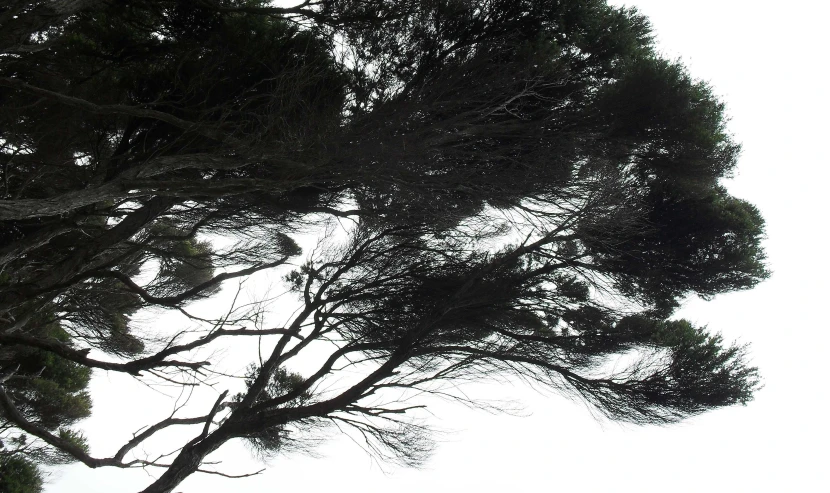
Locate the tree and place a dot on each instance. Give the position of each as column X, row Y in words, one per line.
column 529, row 190
column 18, row 475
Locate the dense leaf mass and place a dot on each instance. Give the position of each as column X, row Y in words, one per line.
column 508, row 188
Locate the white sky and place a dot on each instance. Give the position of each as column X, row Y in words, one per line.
column 768, row 62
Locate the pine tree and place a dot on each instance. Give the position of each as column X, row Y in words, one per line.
column 531, row 190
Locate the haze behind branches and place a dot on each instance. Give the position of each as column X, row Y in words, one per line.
column 286, row 377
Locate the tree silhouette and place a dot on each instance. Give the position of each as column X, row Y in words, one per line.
column 526, row 188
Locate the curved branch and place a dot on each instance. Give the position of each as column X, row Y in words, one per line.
column 173, row 301
column 80, row 355
column 118, row 109
column 136, row 366
column 119, row 456
column 11, row 413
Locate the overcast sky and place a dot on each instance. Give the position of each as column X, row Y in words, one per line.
column 768, row 62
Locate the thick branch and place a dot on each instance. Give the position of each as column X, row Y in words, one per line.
column 137, row 439
column 136, row 366
column 11, row 413
column 66, row 272
column 118, row 109
column 174, row 301
column 133, row 183
column 80, row 355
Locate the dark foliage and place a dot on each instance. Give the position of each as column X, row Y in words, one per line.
column 525, row 188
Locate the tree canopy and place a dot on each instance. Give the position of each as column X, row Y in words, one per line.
column 523, row 188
